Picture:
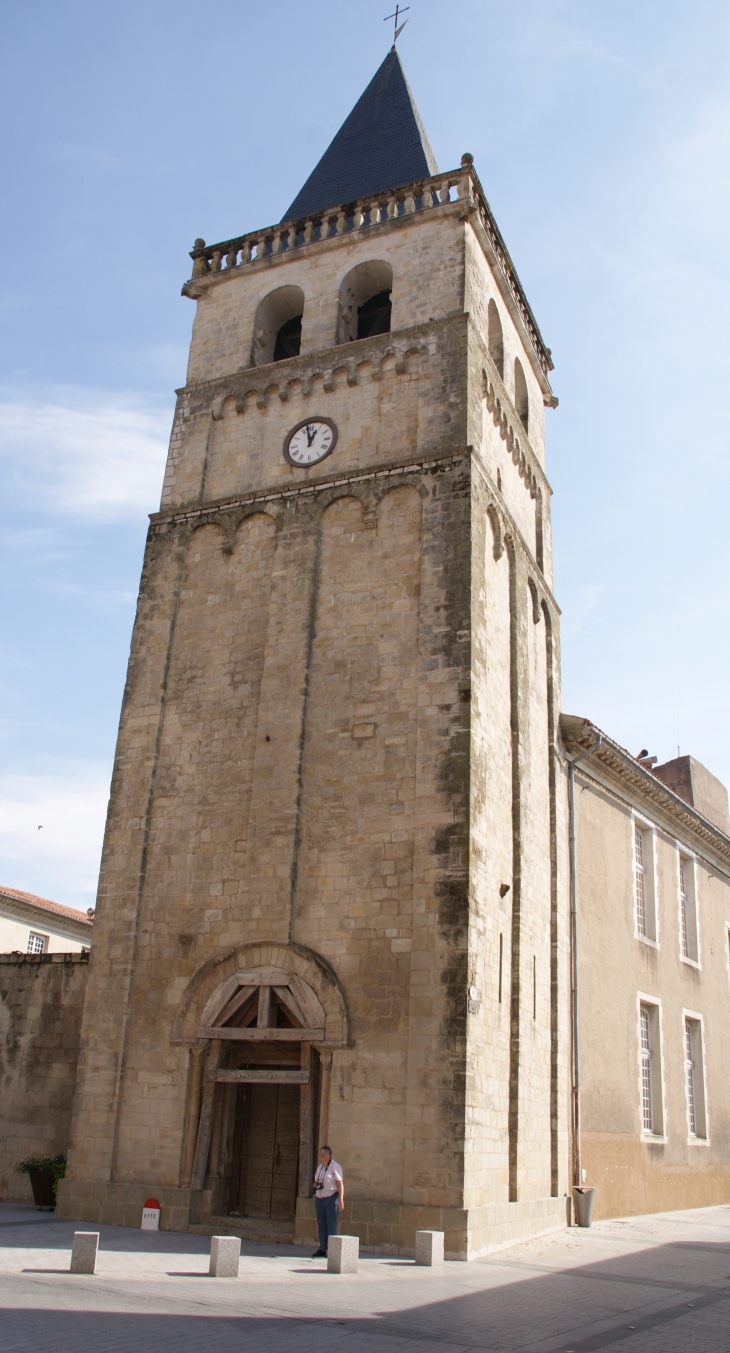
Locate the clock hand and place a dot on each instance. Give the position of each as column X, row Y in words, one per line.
column 311, row 431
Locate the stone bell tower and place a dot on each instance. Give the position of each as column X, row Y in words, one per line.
column 332, row 902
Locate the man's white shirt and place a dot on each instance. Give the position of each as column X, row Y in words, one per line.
column 328, row 1178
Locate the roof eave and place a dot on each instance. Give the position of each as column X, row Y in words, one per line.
column 577, row 732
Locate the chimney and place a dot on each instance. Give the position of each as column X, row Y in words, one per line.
column 694, row 783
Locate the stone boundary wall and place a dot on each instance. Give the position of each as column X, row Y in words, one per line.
column 41, row 1003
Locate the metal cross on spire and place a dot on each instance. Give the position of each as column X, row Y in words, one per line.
column 397, row 31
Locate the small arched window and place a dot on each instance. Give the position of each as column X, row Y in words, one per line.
column 364, row 302
column 522, row 404
column 277, row 331
column 495, row 338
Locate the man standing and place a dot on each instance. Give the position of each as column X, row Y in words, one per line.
column 329, row 1198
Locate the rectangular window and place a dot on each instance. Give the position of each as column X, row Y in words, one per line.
column 688, row 936
column 647, row 1111
column 695, row 1078
column 644, row 882
column 650, row 1070
column 37, row 943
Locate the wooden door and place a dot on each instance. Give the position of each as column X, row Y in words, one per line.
column 270, row 1150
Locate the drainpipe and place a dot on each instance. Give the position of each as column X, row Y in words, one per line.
column 572, row 763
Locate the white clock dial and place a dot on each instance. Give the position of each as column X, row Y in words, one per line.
column 309, row 442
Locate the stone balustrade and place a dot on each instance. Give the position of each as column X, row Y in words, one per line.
column 338, row 221
column 372, row 211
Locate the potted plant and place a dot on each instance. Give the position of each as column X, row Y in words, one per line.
column 44, row 1172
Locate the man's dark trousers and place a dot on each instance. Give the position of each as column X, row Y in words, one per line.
column 327, row 1209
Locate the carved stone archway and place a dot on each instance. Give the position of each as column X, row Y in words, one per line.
column 264, row 1004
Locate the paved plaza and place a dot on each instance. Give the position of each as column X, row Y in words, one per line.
column 656, row 1284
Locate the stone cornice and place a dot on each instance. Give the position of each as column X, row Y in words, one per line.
column 641, row 788
column 196, row 512
column 277, row 378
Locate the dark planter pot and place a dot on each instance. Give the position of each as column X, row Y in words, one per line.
column 41, row 1182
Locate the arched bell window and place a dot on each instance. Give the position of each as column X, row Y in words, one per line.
column 277, row 330
column 364, row 301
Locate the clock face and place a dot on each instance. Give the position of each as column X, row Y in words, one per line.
column 310, row 441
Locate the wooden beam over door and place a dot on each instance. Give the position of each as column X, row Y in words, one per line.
column 258, row 1077
column 256, row 1035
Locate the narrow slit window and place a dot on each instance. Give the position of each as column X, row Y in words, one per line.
column 522, row 402
column 495, row 338
column 501, row 943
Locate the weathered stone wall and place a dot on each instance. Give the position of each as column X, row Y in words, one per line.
column 481, row 287
column 335, row 747
column 425, row 254
column 41, row 1003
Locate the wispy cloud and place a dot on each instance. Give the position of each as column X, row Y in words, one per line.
column 51, row 830
column 74, row 453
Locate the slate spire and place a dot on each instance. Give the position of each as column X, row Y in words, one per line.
column 381, row 145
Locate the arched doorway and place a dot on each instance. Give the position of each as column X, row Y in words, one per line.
column 257, row 1128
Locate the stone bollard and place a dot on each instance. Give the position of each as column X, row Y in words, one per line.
column 342, row 1254
column 83, row 1254
column 429, row 1248
column 225, row 1253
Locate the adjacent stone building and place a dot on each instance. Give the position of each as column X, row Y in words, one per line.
column 35, row 925
column 653, row 901
column 333, row 895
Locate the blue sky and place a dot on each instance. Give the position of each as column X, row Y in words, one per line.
column 601, row 132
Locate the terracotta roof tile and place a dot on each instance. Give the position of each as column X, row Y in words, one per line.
column 71, row 913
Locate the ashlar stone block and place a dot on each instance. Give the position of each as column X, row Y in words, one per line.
column 429, row 1248
column 225, row 1254
column 343, row 1253
column 84, row 1250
